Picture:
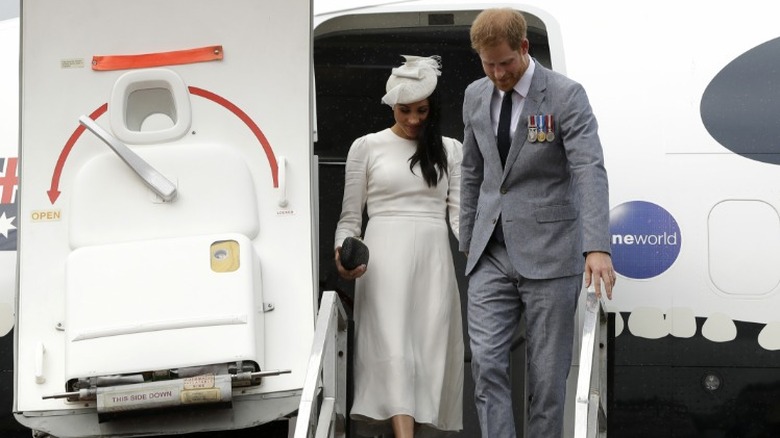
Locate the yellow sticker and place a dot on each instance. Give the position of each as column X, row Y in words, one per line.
column 225, row 256
column 195, row 396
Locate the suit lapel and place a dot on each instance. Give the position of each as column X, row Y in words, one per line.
column 531, row 106
column 491, row 149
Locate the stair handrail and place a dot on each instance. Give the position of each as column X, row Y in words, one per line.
column 591, row 398
column 325, row 387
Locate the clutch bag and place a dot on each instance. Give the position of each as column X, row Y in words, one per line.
column 353, row 253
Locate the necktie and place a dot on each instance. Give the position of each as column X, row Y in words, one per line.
column 504, row 140
column 504, row 121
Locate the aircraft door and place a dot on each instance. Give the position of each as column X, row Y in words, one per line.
column 166, row 230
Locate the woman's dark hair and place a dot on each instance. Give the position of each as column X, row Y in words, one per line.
column 430, row 150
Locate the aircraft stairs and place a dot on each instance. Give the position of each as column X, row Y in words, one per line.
column 323, row 407
column 590, row 412
column 322, row 411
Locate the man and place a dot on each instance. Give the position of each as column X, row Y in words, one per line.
column 534, row 217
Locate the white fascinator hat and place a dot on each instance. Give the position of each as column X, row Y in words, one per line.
column 413, row 81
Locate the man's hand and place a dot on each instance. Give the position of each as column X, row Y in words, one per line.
column 599, row 270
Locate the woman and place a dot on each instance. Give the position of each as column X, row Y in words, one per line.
column 408, row 338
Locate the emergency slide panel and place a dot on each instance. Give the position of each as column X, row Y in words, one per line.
column 161, row 304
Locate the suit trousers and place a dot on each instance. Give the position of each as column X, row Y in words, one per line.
column 497, row 296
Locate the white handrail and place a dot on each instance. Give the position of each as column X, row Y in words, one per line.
column 325, row 375
column 590, row 411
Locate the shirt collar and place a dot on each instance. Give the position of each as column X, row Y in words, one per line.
column 524, row 84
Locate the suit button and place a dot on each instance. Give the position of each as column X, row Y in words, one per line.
column 494, row 221
column 503, row 190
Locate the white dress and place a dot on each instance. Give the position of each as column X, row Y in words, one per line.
column 408, row 330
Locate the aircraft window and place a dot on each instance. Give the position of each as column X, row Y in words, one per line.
column 150, row 109
column 743, row 262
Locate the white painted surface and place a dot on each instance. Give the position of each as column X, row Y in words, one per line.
column 110, row 276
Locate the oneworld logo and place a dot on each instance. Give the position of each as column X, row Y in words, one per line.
column 645, row 239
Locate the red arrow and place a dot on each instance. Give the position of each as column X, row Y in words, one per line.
column 269, row 152
column 54, row 191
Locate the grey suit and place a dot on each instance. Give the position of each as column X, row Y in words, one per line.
column 552, row 200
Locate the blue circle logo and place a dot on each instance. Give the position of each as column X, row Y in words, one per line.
column 645, row 239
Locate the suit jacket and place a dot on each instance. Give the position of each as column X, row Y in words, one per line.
column 552, row 197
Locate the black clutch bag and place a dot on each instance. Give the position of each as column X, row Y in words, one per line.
column 353, row 253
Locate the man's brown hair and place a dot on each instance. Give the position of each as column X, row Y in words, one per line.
column 492, row 26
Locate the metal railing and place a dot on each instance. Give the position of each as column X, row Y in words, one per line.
column 322, row 411
column 590, row 415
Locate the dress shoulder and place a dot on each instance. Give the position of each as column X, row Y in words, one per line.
column 452, row 145
column 454, row 150
column 359, row 147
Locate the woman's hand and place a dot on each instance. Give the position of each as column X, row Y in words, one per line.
column 344, row 273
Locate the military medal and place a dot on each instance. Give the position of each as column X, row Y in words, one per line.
column 550, row 127
column 541, row 135
column 531, row 129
